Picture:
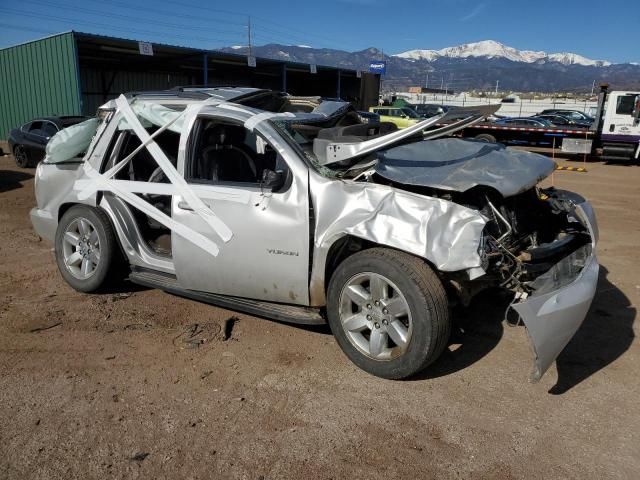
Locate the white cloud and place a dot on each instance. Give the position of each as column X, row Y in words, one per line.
column 474, row 12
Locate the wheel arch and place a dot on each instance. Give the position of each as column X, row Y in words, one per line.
column 66, row 206
column 337, row 251
column 62, row 209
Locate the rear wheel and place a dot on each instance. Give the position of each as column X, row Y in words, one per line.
column 485, row 137
column 21, row 156
column 388, row 311
column 86, row 248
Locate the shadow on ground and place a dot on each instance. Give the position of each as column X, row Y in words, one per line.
column 477, row 329
column 11, row 179
column 605, row 335
column 607, row 332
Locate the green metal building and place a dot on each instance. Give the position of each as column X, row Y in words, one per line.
column 73, row 73
column 38, row 78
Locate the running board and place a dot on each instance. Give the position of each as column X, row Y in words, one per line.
column 274, row 311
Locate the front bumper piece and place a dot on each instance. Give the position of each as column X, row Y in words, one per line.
column 562, row 297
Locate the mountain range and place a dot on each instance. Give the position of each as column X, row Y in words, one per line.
column 493, row 49
column 471, row 66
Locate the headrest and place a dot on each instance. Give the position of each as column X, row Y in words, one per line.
column 224, row 135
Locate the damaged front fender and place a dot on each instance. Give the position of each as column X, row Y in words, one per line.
column 446, row 234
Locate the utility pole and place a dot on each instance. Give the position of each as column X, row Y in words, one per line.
column 381, row 75
column 593, row 87
column 249, row 36
column 497, row 83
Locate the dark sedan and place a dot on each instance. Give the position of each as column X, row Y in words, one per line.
column 562, row 121
column 28, row 142
column 576, row 115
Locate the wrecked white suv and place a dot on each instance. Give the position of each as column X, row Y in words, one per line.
column 299, row 210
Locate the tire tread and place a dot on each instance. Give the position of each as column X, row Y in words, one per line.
column 427, row 284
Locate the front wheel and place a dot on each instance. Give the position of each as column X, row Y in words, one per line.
column 388, row 311
column 86, row 248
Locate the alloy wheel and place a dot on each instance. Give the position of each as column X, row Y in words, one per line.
column 81, row 248
column 375, row 316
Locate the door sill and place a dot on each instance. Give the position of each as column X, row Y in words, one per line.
column 274, row 311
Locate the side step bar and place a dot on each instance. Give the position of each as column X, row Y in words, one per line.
column 274, row 311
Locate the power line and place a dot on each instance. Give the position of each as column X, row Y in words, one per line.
column 287, row 29
column 126, row 17
column 110, row 27
column 279, row 33
column 21, row 28
column 170, row 13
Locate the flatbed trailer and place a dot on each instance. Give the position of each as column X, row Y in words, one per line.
column 490, row 132
column 614, row 135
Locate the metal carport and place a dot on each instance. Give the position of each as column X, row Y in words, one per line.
column 73, row 73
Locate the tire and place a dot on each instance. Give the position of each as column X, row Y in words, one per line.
column 426, row 323
column 485, row 137
column 90, row 272
column 21, row 156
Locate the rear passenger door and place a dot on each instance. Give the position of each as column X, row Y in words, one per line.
column 267, row 257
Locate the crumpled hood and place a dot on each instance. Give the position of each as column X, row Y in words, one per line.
column 458, row 165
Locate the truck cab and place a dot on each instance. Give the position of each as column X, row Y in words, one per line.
column 619, row 125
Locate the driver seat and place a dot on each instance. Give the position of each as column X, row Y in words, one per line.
column 225, row 158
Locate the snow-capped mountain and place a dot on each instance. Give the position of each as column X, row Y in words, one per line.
column 472, row 66
column 493, row 49
column 575, row 59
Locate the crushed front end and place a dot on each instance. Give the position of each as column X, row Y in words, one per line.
column 540, row 244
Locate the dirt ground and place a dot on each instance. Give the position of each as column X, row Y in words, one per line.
column 141, row 384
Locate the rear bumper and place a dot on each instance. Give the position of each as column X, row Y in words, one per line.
column 43, row 223
column 563, row 295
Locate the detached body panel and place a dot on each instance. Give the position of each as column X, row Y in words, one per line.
column 554, row 313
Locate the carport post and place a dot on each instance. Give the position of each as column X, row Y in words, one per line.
column 205, row 69
column 284, row 77
column 338, row 86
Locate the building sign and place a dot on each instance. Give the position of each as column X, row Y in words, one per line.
column 378, row 67
column 251, row 61
column 145, row 48
column 313, row 68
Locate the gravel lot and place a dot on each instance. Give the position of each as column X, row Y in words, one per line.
column 140, row 384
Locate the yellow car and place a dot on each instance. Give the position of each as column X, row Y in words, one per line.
column 403, row 117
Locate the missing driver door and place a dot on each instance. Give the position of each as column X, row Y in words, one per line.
column 267, row 257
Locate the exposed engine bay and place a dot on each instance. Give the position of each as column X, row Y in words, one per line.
column 526, row 236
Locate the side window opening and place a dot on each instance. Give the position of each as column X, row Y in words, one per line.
column 49, row 129
column 36, row 128
column 625, row 104
column 225, row 153
column 143, row 168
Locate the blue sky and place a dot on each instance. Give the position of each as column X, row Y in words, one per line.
column 600, row 30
